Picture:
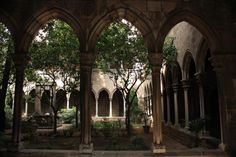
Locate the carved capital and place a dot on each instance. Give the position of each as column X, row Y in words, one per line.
column 175, row 87
column 20, row 60
column 155, row 59
column 186, row 83
column 87, row 59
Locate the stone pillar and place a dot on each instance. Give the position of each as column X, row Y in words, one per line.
column 96, row 106
column 26, row 107
column 110, row 107
column 155, row 61
column 186, row 87
column 68, row 101
column 162, row 108
column 86, row 62
column 38, row 97
column 168, row 105
column 201, row 94
column 176, row 105
column 217, row 64
column 20, row 61
column 124, row 107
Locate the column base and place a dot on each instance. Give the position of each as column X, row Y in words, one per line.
column 86, row 148
column 177, row 126
column 15, row 147
column 222, row 147
column 158, row 148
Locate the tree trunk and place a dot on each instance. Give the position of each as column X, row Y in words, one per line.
column 127, row 120
column 55, row 123
column 5, row 79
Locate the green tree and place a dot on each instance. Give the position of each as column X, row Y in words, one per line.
column 55, row 56
column 169, row 52
column 122, row 54
column 6, row 48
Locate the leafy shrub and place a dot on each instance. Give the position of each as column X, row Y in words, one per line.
column 197, row 125
column 29, row 127
column 68, row 116
column 9, row 116
column 137, row 143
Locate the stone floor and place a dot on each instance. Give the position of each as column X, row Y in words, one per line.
column 66, row 153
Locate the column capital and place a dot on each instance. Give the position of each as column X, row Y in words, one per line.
column 175, row 87
column 217, row 62
column 186, row 83
column 155, row 59
column 87, row 59
column 20, row 59
column 199, row 77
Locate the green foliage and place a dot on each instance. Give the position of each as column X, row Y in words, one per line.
column 135, row 111
column 29, row 127
column 137, row 143
column 197, row 125
column 9, row 116
column 169, row 51
column 68, row 116
column 55, row 52
column 6, row 48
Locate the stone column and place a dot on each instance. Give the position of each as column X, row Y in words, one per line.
column 68, row 101
column 201, row 94
column 110, row 107
column 186, row 87
column 217, row 64
column 168, row 105
column 176, row 105
column 162, row 108
column 86, row 62
column 96, row 106
column 155, row 61
column 26, row 107
column 20, row 61
column 38, row 97
column 124, row 107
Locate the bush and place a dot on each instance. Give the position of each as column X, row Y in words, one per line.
column 9, row 116
column 137, row 143
column 29, row 127
column 67, row 116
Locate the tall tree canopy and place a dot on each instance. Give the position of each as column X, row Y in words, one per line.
column 55, row 58
column 122, row 54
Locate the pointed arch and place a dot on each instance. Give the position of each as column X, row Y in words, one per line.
column 103, row 103
column 188, row 58
column 41, row 18
column 192, row 18
column 117, row 104
column 9, row 22
column 130, row 14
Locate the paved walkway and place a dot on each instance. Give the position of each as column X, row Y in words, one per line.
column 67, row 153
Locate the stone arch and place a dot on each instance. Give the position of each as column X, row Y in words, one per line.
column 42, row 17
column 201, row 55
column 74, row 98
column 186, row 64
column 9, row 22
column 105, row 89
column 31, row 101
column 177, row 73
column 45, row 102
column 93, row 103
column 103, row 104
column 117, row 104
column 61, row 99
column 192, row 18
column 130, row 14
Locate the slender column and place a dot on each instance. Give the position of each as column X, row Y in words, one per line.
column 68, row 101
column 216, row 61
column 20, row 61
column 38, row 99
column 175, row 89
column 186, row 103
column 110, row 107
column 86, row 62
column 162, row 108
column 124, row 107
column 96, row 103
column 201, row 94
column 156, row 60
column 26, row 107
column 168, row 105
